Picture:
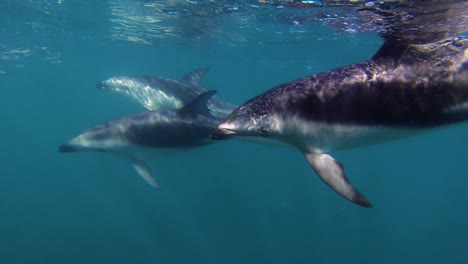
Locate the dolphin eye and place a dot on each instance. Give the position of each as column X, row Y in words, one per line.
column 263, row 131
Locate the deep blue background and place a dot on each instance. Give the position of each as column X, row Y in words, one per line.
column 232, row 202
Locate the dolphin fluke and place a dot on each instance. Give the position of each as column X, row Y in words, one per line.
column 332, row 173
column 64, row 148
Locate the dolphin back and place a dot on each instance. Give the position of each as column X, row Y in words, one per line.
column 157, row 93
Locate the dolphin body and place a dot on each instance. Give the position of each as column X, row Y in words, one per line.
column 417, row 81
column 129, row 136
column 158, row 93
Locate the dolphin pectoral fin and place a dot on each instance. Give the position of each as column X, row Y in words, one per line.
column 145, row 172
column 332, row 173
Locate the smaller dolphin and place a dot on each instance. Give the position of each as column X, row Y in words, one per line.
column 187, row 127
column 157, row 93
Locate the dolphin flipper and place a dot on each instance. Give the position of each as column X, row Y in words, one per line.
column 332, row 173
column 145, row 172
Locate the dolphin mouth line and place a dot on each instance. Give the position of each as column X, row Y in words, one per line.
column 223, row 133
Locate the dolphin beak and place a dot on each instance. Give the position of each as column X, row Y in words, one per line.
column 101, row 85
column 64, row 148
column 222, row 133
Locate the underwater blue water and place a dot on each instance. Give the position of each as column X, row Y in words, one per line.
column 230, row 202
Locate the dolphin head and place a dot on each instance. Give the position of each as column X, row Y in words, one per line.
column 118, row 83
column 123, row 83
column 99, row 138
column 259, row 117
column 107, row 84
column 103, row 85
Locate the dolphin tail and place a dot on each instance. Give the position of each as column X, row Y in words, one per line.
column 145, row 172
column 332, row 173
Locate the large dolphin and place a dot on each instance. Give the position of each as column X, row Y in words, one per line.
column 129, row 136
column 158, row 93
column 417, row 80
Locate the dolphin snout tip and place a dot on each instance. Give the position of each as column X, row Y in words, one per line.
column 64, row 148
column 101, row 85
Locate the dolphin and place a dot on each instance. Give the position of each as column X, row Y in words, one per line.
column 129, row 136
column 417, row 81
column 158, row 93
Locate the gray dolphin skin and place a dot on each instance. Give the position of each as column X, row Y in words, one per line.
column 417, row 81
column 129, row 136
column 158, row 93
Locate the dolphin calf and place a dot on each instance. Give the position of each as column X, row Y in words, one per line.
column 417, row 81
column 157, row 93
column 128, row 137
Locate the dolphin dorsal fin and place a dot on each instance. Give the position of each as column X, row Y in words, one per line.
column 195, row 76
column 197, row 105
column 405, row 23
